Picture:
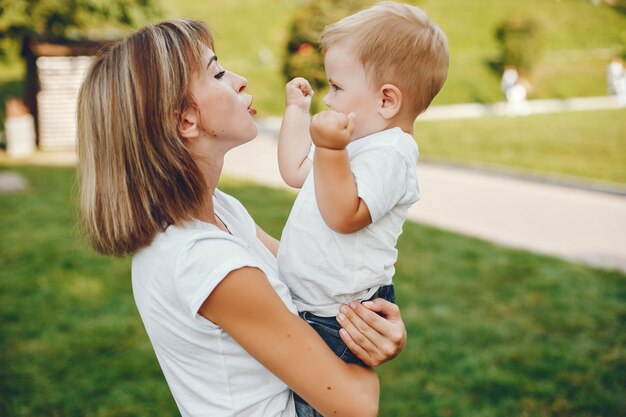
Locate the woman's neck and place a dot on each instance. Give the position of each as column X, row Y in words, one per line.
column 210, row 164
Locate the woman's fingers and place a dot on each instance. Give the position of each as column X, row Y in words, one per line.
column 354, row 337
column 391, row 327
column 377, row 339
column 374, row 348
column 388, row 309
column 355, row 348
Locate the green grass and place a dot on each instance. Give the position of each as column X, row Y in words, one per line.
column 492, row 331
column 589, row 145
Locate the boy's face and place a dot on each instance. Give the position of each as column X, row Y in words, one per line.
column 350, row 90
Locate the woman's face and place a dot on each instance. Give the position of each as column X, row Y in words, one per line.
column 224, row 106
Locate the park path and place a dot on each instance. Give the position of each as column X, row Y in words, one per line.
column 576, row 224
column 572, row 222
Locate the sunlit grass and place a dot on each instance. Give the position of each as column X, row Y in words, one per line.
column 589, row 145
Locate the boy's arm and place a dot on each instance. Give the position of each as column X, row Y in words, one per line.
column 335, row 188
column 294, row 141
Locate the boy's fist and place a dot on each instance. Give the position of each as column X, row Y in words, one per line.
column 298, row 92
column 332, row 130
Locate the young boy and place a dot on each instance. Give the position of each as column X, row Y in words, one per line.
column 384, row 65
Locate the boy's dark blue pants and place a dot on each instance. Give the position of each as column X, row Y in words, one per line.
column 328, row 329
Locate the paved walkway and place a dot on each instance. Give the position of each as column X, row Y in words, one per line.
column 576, row 224
column 476, row 110
column 11, row 182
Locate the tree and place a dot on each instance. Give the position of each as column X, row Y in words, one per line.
column 303, row 56
column 521, row 42
column 59, row 20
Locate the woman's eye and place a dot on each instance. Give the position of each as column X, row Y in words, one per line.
column 334, row 87
column 219, row 75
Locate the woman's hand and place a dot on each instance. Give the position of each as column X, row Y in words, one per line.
column 372, row 338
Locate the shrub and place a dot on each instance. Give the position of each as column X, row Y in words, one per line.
column 303, row 56
column 62, row 20
column 521, row 41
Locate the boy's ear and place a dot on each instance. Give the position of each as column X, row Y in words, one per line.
column 188, row 127
column 391, row 101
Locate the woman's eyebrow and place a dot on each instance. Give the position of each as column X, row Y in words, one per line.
column 211, row 60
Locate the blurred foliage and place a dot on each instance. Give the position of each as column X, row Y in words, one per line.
column 619, row 5
column 622, row 44
column 303, row 55
column 68, row 19
column 520, row 40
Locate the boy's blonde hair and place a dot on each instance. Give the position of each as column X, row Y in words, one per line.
column 397, row 44
column 136, row 175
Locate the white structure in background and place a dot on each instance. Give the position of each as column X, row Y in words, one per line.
column 20, row 135
column 60, row 78
column 19, row 129
column 616, row 81
column 510, row 77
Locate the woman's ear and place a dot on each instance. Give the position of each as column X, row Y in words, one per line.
column 391, row 101
column 188, row 124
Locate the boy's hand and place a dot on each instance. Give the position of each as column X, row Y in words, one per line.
column 298, row 92
column 332, row 130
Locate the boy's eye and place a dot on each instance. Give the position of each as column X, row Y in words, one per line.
column 219, row 75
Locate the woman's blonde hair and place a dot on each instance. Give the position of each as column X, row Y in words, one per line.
column 136, row 174
column 397, row 44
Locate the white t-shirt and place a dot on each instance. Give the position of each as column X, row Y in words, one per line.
column 324, row 269
column 207, row 371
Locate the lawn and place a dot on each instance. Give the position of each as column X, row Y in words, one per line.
column 251, row 35
column 492, row 331
column 588, row 145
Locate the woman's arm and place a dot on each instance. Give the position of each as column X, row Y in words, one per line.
column 270, row 243
column 374, row 339
column 246, row 306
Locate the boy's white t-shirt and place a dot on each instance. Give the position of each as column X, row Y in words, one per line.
column 208, row 372
column 324, row 269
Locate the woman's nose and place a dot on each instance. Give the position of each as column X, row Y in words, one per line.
column 240, row 83
column 327, row 100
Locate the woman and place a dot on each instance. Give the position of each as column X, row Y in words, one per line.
column 156, row 115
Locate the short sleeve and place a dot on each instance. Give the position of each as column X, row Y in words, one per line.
column 384, row 179
column 203, row 263
column 237, row 210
